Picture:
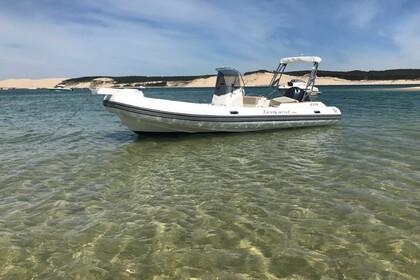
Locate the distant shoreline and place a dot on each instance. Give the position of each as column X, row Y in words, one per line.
column 30, row 83
column 253, row 79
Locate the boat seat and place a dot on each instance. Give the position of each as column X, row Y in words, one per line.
column 254, row 101
column 250, row 101
column 282, row 99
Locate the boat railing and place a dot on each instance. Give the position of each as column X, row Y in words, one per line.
column 311, row 81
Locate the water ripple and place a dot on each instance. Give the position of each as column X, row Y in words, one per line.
column 95, row 201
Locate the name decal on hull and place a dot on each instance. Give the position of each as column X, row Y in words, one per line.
column 274, row 112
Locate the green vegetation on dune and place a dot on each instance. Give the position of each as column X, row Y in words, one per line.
column 83, row 79
column 143, row 79
column 395, row 74
column 138, row 79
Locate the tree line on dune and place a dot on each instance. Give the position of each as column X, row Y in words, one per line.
column 356, row 75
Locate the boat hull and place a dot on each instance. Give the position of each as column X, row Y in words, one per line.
column 200, row 118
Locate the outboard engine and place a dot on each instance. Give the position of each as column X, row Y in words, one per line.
column 297, row 94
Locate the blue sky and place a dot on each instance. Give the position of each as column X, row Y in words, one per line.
column 75, row 38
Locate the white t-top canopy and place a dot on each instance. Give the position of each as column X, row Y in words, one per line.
column 310, row 59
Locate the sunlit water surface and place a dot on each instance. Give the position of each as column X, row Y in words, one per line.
column 82, row 197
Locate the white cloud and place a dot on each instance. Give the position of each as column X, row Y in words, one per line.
column 147, row 37
column 163, row 37
column 407, row 36
column 360, row 13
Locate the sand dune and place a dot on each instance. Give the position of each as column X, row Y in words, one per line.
column 255, row 79
column 28, row 83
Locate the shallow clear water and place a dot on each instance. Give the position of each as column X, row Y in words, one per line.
column 82, row 197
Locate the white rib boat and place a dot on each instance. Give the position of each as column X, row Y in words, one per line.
column 230, row 110
column 60, row 87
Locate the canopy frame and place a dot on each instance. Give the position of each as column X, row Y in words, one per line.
column 278, row 73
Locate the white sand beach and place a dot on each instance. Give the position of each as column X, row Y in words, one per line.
column 28, row 83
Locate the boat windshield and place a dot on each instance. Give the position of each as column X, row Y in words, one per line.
column 228, row 80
